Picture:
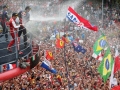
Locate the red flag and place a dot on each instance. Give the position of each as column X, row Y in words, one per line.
column 79, row 20
column 116, row 88
column 59, row 79
column 65, row 39
column 59, row 43
column 49, row 55
column 117, row 62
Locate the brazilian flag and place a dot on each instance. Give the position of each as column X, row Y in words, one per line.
column 99, row 45
column 105, row 66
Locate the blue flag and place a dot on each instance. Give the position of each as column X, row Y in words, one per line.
column 83, row 50
column 79, row 48
column 47, row 65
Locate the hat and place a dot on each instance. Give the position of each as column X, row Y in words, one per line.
column 28, row 7
column 14, row 14
column 5, row 6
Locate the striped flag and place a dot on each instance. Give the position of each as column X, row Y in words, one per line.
column 47, row 65
column 34, row 60
column 79, row 20
column 11, row 66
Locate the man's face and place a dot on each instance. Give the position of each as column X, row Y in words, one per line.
column 14, row 17
column 23, row 13
column 27, row 10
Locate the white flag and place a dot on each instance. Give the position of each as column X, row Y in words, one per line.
column 113, row 81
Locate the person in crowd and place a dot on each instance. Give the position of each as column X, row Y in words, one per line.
column 24, row 17
column 13, row 28
column 4, row 19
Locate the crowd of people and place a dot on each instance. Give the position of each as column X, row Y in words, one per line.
column 38, row 7
column 77, row 71
column 81, row 70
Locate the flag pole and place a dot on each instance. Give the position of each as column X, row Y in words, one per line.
column 102, row 13
column 65, row 59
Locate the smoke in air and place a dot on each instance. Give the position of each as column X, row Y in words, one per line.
column 53, row 13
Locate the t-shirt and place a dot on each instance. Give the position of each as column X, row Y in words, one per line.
column 25, row 16
column 4, row 16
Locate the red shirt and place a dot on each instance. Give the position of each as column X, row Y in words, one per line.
column 13, row 25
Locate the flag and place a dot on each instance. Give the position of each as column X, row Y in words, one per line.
column 78, row 48
column 57, row 36
column 49, row 55
column 99, row 45
column 80, row 21
column 34, row 60
column 47, row 65
column 50, row 78
column 33, row 57
column 117, row 62
column 59, row 43
column 55, row 32
column 11, row 66
column 59, row 79
column 113, row 81
column 105, row 66
column 100, row 57
column 65, row 39
column 83, row 50
column 116, row 88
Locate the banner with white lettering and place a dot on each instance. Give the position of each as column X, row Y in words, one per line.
column 80, row 21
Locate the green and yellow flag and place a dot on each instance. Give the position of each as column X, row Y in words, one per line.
column 105, row 66
column 99, row 45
